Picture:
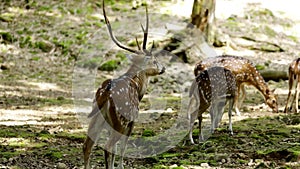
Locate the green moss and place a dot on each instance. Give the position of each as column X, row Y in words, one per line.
column 110, row 65
column 259, row 67
column 160, row 167
column 7, row 17
column 170, row 155
column 6, row 36
column 179, row 167
column 26, row 41
column 242, row 161
column 293, row 38
column 8, row 155
column 269, row 31
column 44, row 46
column 148, row 133
column 121, row 56
column 35, row 58
column 72, row 136
column 54, row 154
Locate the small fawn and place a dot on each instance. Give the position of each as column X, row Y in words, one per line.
column 213, row 87
column 116, row 104
column 294, row 80
column 245, row 74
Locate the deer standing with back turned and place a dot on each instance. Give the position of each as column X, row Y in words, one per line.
column 116, row 104
column 213, row 88
column 294, row 85
column 245, row 74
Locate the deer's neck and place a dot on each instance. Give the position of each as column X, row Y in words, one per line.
column 133, row 70
column 141, row 81
column 260, row 84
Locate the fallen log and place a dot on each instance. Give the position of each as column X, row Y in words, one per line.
column 274, row 75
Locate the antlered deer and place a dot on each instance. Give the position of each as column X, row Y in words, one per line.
column 213, row 87
column 245, row 74
column 116, row 103
column 294, row 84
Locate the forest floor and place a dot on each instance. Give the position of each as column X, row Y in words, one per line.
column 49, row 54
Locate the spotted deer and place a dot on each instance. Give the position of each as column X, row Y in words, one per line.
column 213, row 88
column 245, row 74
column 116, row 103
column 294, row 84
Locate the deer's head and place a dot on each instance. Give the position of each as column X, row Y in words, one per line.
column 141, row 58
column 271, row 100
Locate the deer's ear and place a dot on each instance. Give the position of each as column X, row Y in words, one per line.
column 273, row 90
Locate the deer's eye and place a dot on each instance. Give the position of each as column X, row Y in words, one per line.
column 147, row 58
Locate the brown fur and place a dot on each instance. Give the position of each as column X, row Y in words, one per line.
column 212, row 87
column 294, row 84
column 245, row 74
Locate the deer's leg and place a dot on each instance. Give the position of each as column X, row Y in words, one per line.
column 192, row 118
column 220, row 111
column 242, row 93
column 230, row 106
column 201, row 137
column 236, row 101
column 213, row 117
column 288, row 102
column 124, row 141
column 87, row 147
column 94, row 129
column 110, row 148
column 297, row 95
column 211, row 113
column 295, row 82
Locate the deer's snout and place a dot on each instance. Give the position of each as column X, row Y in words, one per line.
column 162, row 70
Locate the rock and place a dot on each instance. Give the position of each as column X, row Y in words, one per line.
column 228, row 160
column 61, row 165
column 204, row 165
column 251, row 162
column 174, row 166
column 259, row 160
column 11, row 160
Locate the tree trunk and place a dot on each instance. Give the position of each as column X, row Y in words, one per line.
column 203, row 17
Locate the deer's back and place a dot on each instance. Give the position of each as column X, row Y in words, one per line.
column 117, row 100
column 294, row 67
column 242, row 68
column 213, row 84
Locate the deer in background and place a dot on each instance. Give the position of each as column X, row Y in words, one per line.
column 245, row 74
column 294, row 80
column 213, row 87
column 116, row 104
